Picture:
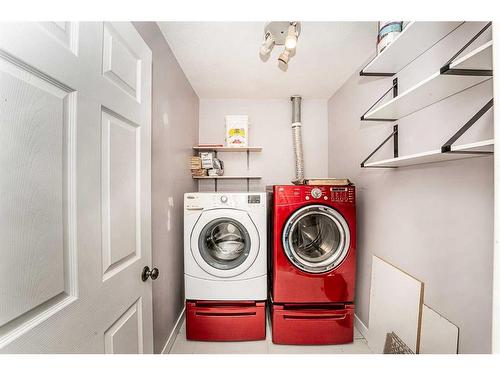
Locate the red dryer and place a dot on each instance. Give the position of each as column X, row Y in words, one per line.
column 313, row 263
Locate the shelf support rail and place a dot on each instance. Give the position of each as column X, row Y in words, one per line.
column 215, row 180
column 445, row 69
column 394, row 89
column 447, row 146
column 393, row 135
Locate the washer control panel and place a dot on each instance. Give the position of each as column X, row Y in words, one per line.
column 227, row 200
column 253, row 198
column 201, row 201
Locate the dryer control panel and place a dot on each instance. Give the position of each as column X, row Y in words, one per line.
column 342, row 194
column 315, row 194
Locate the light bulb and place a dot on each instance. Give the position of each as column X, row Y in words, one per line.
column 267, row 44
column 284, row 57
column 291, row 38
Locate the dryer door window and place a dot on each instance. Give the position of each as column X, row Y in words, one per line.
column 316, row 239
column 224, row 243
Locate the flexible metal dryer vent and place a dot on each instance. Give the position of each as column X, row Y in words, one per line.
column 297, row 139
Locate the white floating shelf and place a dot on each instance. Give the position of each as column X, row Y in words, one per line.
column 227, row 149
column 415, row 39
column 227, row 177
column 436, row 156
column 437, row 87
column 481, row 57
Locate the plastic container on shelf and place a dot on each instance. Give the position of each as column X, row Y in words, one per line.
column 388, row 32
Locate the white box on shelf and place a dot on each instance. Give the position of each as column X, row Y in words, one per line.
column 207, row 160
column 237, row 131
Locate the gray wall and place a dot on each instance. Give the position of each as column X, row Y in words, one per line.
column 434, row 221
column 270, row 127
column 175, row 131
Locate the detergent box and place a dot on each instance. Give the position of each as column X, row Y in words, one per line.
column 237, row 131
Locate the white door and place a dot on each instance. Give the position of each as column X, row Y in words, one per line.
column 75, row 103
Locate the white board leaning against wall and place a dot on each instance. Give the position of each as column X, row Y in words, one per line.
column 396, row 300
column 438, row 334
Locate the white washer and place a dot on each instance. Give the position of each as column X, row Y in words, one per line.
column 225, row 246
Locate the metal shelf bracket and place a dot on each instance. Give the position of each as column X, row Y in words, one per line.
column 447, row 146
column 393, row 135
column 445, row 69
column 394, row 89
column 363, row 74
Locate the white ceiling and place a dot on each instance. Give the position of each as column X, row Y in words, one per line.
column 221, row 59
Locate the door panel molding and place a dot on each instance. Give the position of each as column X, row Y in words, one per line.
column 128, row 324
column 65, row 33
column 120, row 64
column 118, row 256
column 30, row 98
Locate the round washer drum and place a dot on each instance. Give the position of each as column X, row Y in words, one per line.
column 224, row 243
column 316, row 238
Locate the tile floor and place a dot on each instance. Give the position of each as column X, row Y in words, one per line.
column 183, row 346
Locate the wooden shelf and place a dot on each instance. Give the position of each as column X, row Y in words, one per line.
column 227, row 177
column 436, row 156
column 415, row 39
column 227, row 149
column 438, row 86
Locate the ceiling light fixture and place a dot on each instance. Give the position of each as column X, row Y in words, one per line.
column 284, row 57
column 291, row 38
column 283, row 60
column 267, row 44
column 280, row 33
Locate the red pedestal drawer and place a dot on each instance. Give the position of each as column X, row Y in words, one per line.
column 312, row 325
column 225, row 320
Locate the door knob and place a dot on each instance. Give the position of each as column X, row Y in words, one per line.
column 147, row 273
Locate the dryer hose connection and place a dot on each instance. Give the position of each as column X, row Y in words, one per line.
column 297, row 139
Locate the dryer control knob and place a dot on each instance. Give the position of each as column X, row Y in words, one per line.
column 316, row 193
column 223, row 199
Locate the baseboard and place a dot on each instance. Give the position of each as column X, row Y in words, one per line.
column 173, row 334
column 360, row 326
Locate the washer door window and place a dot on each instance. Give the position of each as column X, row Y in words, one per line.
column 224, row 243
column 316, row 239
